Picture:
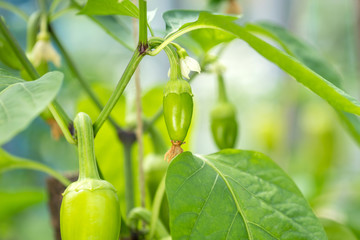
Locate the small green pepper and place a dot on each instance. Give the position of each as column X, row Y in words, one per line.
column 178, row 108
column 90, row 206
column 224, row 126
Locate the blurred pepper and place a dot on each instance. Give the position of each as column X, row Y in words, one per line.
column 224, row 126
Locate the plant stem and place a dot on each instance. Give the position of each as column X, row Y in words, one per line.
column 32, row 30
column 144, row 214
column 221, row 88
column 143, row 24
column 177, row 34
column 21, row 163
column 18, row 51
column 171, row 54
column 59, row 13
column 151, row 31
column 129, row 178
column 143, row 46
column 51, row 172
column 125, row 78
column 139, row 137
column 12, row 8
column 79, row 77
column 159, row 195
column 59, row 114
column 74, row 69
column 85, row 139
column 42, row 6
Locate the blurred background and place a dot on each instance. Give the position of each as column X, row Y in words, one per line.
column 277, row 116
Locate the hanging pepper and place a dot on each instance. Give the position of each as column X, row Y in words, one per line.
column 224, row 126
column 90, row 206
column 178, row 108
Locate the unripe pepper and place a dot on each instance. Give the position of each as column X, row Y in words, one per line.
column 178, row 108
column 224, row 126
column 90, row 206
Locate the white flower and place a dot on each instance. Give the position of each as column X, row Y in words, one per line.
column 187, row 65
column 44, row 51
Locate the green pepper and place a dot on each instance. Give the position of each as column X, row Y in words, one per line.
column 224, row 126
column 90, row 206
column 178, row 108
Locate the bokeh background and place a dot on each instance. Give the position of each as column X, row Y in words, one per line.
column 277, row 116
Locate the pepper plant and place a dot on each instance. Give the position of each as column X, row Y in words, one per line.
column 230, row 194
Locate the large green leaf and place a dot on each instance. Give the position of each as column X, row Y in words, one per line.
column 14, row 202
column 10, row 162
column 303, row 74
column 21, row 102
column 110, row 7
column 236, row 194
column 313, row 60
column 206, row 38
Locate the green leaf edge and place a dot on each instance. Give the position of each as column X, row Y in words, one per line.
column 18, row 81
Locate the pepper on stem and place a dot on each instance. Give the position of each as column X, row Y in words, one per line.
column 90, row 206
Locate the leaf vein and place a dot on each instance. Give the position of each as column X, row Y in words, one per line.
column 5, row 110
column 243, row 216
column 204, row 205
column 272, row 207
column 232, row 223
column 267, row 231
column 193, row 174
column 28, row 92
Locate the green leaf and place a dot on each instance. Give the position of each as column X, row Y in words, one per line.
column 9, row 162
column 110, row 7
column 319, row 85
column 14, row 202
column 236, row 194
column 21, row 102
column 313, row 60
column 337, row 231
column 206, row 38
column 300, row 50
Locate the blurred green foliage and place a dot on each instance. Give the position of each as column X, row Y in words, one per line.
column 285, row 121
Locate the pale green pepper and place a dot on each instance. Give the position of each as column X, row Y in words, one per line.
column 90, row 206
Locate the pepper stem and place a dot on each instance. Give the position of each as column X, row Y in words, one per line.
column 85, row 136
column 221, row 88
